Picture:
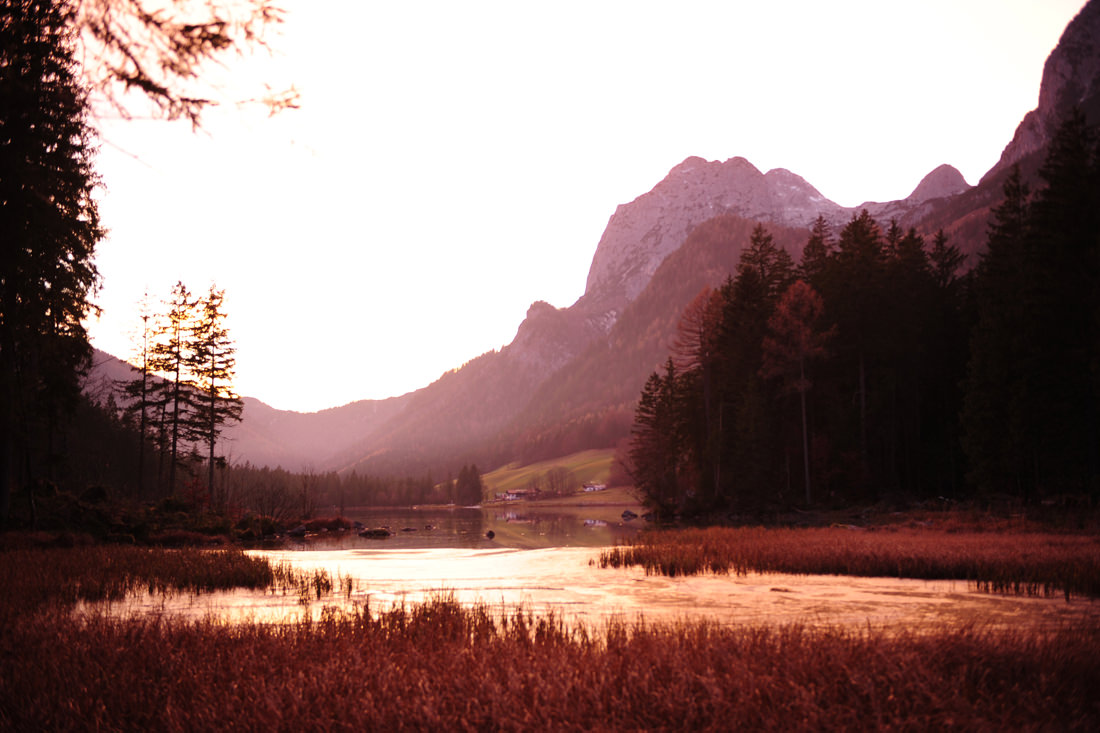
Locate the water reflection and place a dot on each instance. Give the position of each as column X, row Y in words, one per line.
column 518, row 526
column 564, row 580
column 542, row 558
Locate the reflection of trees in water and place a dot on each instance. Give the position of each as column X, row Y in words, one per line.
column 459, row 527
column 465, row 523
column 557, row 526
column 465, row 527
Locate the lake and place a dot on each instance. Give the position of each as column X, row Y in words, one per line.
column 518, row 525
column 544, row 559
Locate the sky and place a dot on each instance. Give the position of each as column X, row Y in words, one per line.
column 451, row 163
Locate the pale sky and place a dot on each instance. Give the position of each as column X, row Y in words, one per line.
column 452, row 162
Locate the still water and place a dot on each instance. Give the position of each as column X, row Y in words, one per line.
column 517, row 525
column 545, row 561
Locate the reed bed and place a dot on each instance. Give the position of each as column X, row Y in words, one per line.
column 1028, row 563
column 441, row 666
column 55, row 577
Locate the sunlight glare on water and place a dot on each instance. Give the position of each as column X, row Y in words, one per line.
column 567, row 581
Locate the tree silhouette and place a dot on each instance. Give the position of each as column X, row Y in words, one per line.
column 774, row 265
column 50, row 226
column 658, row 451
column 171, row 354
column 211, row 365
column 819, row 247
column 1032, row 409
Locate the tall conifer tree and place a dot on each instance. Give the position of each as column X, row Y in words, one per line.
column 211, row 362
column 1032, row 410
column 50, row 226
column 171, row 355
column 994, row 419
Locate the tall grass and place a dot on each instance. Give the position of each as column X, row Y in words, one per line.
column 1017, row 562
column 440, row 666
column 31, row 579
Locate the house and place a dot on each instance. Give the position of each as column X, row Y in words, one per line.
column 517, row 494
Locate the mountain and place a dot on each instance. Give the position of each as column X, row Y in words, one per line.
column 266, row 436
column 641, row 234
column 1071, row 78
column 569, row 378
column 306, row 441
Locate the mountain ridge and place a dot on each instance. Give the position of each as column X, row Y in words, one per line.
column 477, row 413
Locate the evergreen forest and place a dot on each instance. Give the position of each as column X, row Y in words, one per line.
column 876, row 369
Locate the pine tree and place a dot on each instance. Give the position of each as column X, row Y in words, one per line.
column 994, row 414
column 857, row 279
column 819, row 248
column 657, row 448
column 908, row 302
column 773, row 265
column 746, row 424
column 50, row 226
column 948, row 331
column 171, row 358
column 210, row 362
column 140, row 389
column 945, row 259
column 1063, row 260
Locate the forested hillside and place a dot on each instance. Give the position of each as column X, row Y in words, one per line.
column 877, row 369
column 590, row 402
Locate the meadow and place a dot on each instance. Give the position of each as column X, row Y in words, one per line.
column 443, row 665
column 587, row 466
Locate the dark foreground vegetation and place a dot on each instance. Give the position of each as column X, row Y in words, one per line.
column 440, row 665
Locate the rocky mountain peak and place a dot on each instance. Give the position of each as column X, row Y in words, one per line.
column 643, row 232
column 1071, row 78
column 795, row 202
column 943, row 181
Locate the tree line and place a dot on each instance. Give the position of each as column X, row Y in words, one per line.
column 874, row 368
column 287, row 495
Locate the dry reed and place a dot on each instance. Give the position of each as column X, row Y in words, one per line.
column 37, row 578
column 440, row 666
column 1019, row 562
